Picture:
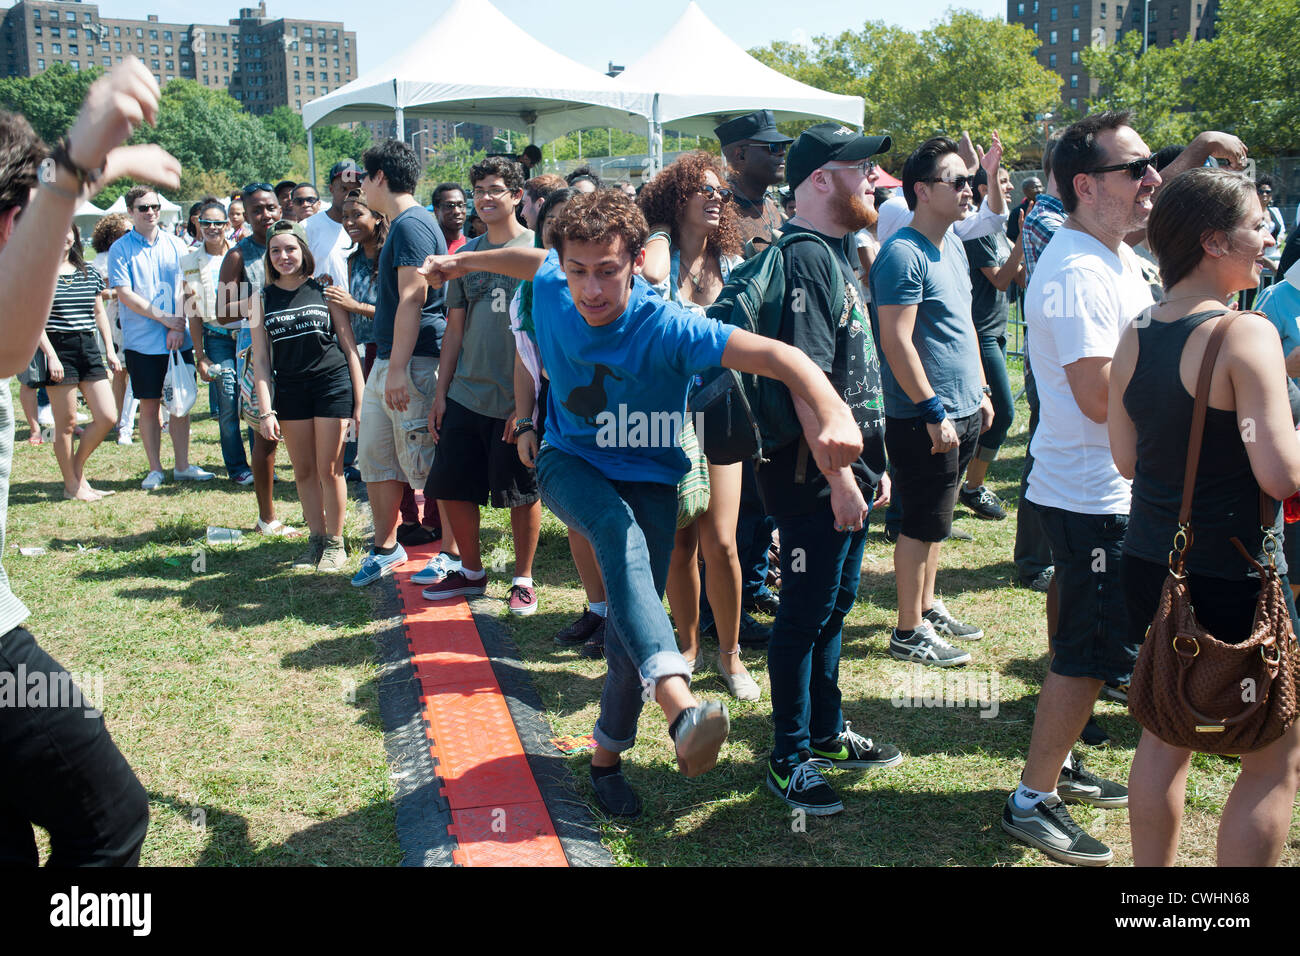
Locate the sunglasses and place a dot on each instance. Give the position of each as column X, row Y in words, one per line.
column 708, row 190
column 208, row 223
column 149, row 207
column 958, row 183
column 258, row 188
column 864, row 168
column 776, row 149
column 452, row 205
column 1137, row 168
column 307, row 200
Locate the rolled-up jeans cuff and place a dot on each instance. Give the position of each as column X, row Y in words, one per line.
column 609, row 743
column 659, row 665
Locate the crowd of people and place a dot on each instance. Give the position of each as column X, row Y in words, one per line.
column 493, row 348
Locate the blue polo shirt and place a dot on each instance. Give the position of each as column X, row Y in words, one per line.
column 152, row 270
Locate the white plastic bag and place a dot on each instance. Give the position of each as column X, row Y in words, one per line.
column 180, row 390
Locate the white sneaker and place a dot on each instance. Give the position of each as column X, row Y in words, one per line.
column 193, row 473
column 152, row 481
column 124, row 438
column 45, row 416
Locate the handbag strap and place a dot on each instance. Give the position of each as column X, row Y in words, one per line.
column 1197, row 433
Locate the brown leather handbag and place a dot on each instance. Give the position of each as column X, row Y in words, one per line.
column 1189, row 688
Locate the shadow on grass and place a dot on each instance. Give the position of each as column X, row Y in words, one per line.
column 360, row 838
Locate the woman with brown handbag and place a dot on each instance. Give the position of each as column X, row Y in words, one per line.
column 1209, row 235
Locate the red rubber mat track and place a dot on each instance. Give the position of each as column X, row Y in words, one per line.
column 498, row 815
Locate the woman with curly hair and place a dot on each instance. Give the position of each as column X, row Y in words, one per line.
column 694, row 244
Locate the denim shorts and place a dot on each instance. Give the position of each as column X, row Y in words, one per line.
column 1093, row 638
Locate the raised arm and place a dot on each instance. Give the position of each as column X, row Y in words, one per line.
column 518, row 263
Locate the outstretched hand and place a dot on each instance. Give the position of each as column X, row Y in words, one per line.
column 115, row 105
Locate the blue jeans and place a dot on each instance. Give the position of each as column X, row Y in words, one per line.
column 993, row 356
column 820, row 568
column 223, row 396
column 631, row 526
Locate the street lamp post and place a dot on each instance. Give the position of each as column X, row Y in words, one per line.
column 1146, row 13
column 417, row 133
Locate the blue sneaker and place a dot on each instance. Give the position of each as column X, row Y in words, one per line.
column 439, row 566
column 375, row 566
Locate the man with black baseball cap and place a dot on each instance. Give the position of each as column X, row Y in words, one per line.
column 325, row 234
column 823, row 520
column 755, row 153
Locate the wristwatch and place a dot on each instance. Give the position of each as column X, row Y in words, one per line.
column 988, row 391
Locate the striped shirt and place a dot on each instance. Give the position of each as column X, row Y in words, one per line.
column 1040, row 225
column 12, row 611
column 73, row 309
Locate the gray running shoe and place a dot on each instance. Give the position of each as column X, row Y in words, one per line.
column 926, row 647
column 947, row 625
column 1049, row 827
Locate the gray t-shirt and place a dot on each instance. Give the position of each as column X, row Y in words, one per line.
column 12, row 611
column 484, row 381
column 909, row 270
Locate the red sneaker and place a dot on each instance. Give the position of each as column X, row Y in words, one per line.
column 523, row 600
column 455, row 585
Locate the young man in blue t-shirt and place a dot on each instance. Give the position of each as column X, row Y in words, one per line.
column 936, row 399
column 619, row 360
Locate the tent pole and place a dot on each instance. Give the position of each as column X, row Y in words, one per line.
column 311, row 157
column 401, row 124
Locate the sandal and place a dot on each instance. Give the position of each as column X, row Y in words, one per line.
column 276, row 529
column 740, row 686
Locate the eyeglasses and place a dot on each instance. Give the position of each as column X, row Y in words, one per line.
column 1137, row 168
column 708, row 190
column 149, row 207
column 864, row 168
column 958, row 183
column 306, row 200
column 776, row 149
column 453, row 205
column 496, row 192
column 258, row 188
column 209, row 223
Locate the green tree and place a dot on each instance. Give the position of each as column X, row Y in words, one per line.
column 285, row 124
column 965, row 73
column 1156, row 86
column 49, row 99
column 449, row 163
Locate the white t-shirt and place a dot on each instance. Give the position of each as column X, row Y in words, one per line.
column 327, row 240
column 1080, row 299
column 894, row 215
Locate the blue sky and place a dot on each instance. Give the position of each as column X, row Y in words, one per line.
column 588, row 31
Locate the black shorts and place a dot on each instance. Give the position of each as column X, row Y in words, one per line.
column 321, row 396
column 472, row 462
column 925, row 485
column 1093, row 637
column 1224, row 607
column 80, row 355
column 148, row 372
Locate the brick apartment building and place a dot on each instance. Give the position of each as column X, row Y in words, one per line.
column 261, row 61
column 1065, row 29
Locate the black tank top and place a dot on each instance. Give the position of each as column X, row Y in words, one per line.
column 1226, row 501
column 302, row 338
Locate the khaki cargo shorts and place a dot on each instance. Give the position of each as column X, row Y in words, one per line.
column 393, row 445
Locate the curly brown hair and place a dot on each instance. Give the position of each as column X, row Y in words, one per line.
column 664, row 197
column 601, row 216
column 108, row 230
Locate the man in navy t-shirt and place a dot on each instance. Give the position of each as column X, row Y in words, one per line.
column 620, row 359
column 395, row 447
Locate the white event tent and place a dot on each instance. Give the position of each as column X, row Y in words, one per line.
column 441, row 74
column 697, row 78
column 87, row 215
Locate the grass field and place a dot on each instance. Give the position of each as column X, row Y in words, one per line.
column 243, row 693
